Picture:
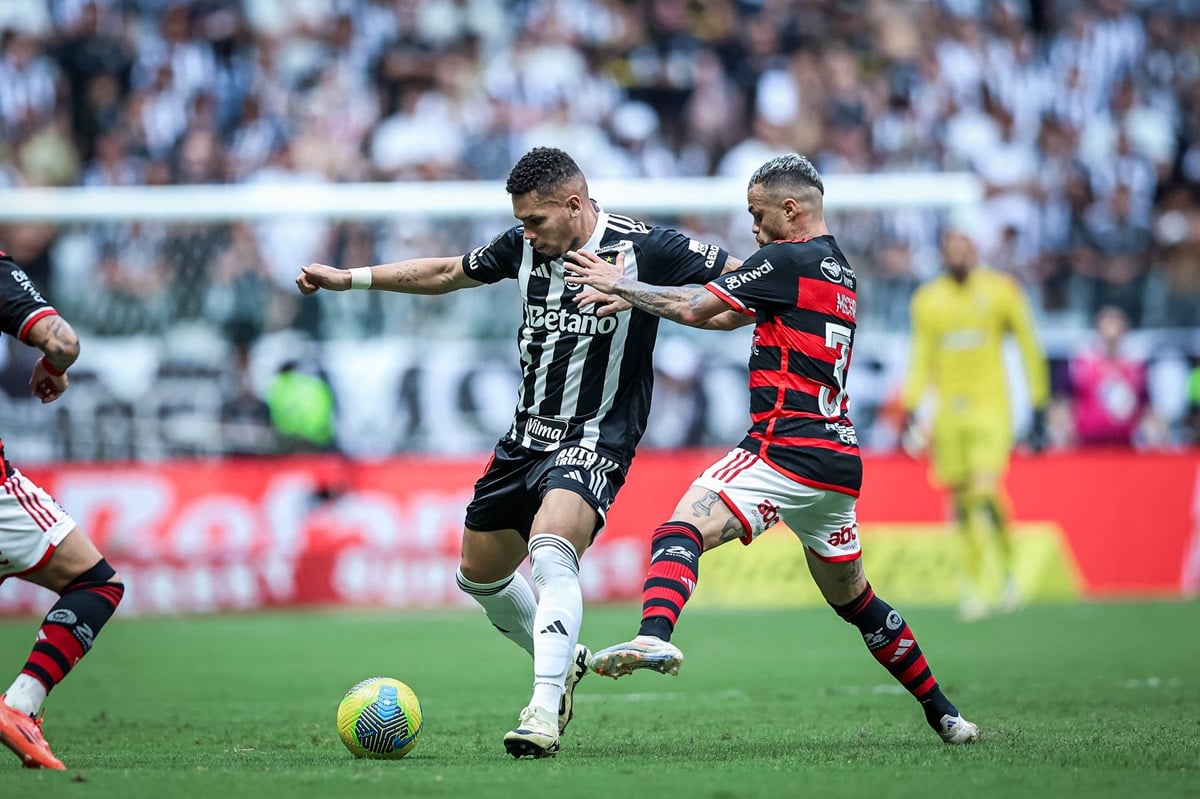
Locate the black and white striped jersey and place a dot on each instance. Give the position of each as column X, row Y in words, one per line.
column 586, row 380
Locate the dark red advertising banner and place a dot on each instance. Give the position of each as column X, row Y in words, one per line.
column 206, row 536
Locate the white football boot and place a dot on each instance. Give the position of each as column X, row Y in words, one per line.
column 536, row 735
column 643, row 652
column 957, row 730
column 579, row 667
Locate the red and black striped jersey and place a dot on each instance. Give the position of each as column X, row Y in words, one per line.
column 21, row 304
column 802, row 294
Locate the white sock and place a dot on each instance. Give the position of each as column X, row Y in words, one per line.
column 509, row 605
column 26, row 694
column 558, row 619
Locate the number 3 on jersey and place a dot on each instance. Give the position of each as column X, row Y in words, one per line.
column 837, row 337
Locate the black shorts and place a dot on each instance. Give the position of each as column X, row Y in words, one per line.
column 510, row 492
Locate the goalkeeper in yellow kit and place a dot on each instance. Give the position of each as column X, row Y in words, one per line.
column 960, row 321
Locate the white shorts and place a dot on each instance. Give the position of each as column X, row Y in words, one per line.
column 32, row 524
column 761, row 497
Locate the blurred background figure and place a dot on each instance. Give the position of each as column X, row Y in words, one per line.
column 1109, row 396
column 246, row 424
column 302, row 409
column 960, row 322
column 1193, row 402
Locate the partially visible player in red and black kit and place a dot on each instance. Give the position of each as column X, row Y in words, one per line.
column 39, row 542
column 799, row 463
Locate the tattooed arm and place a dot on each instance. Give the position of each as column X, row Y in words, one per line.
column 695, row 306
column 60, row 349
column 414, row 276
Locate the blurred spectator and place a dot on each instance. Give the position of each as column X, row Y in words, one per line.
column 28, row 84
column 1113, row 269
column 1176, row 280
column 636, row 131
column 110, row 164
column 302, row 409
column 289, row 240
column 95, row 61
column 1108, row 387
column 246, row 427
column 1193, row 403
column 119, row 301
column 47, row 156
column 239, row 298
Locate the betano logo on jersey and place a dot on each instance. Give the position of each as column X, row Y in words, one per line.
column 564, row 320
column 738, row 279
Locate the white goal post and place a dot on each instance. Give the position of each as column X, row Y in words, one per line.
column 453, row 199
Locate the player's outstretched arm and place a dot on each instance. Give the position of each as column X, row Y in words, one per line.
column 728, row 320
column 609, row 304
column 60, row 349
column 689, row 305
column 414, row 276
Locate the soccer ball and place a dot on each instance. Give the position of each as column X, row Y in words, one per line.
column 379, row 718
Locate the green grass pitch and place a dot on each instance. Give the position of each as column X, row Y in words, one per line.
column 1087, row 700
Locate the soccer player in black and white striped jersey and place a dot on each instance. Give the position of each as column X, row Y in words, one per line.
column 581, row 409
column 799, row 462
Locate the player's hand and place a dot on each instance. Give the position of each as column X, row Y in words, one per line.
column 322, row 276
column 914, row 440
column 590, row 269
column 1036, row 439
column 606, row 304
column 46, row 385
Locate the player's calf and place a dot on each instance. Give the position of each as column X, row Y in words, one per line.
column 894, row 645
column 67, row 633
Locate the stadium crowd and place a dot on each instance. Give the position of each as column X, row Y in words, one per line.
column 1081, row 119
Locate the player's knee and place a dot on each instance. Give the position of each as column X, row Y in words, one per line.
column 100, row 575
column 553, row 558
column 472, row 575
column 979, row 495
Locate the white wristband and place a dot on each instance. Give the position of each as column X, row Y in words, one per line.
column 360, row 277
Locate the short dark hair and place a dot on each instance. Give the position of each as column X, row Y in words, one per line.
column 542, row 169
column 793, row 169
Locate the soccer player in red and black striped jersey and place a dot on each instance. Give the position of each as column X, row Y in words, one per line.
column 799, row 463
column 39, row 542
column 581, row 409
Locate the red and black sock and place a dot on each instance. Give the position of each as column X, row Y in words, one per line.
column 71, row 626
column 674, row 568
column 894, row 645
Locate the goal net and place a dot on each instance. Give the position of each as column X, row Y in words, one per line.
column 185, row 301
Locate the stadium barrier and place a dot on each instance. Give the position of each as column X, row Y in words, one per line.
column 204, row 536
